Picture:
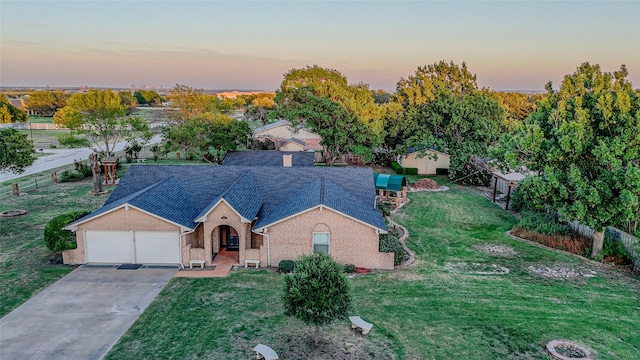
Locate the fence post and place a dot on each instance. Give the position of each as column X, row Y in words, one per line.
column 54, row 177
column 177, row 156
column 16, row 191
column 36, row 181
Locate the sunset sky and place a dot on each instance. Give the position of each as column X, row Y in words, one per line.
column 510, row 45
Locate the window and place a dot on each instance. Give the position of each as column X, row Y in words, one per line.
column 320, row 243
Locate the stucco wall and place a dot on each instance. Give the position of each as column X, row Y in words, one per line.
column 121, row 219
column 425, row 165
column 350, row 242
column 284, row 132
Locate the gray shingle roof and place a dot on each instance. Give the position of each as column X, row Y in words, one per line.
column 182, row 193
column 267, row 158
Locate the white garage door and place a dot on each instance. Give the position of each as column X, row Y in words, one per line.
column 157, row 247
column 109, row 247
column 140, row 247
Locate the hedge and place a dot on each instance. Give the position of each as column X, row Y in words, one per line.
column 58, row 239
column 397, row 167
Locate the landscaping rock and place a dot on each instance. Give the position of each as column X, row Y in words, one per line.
column 562, row 273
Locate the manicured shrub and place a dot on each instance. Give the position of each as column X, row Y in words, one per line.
column 390, row 243
column 397, row 167
column 349, row 268
column 385, row 209
column 71, row 141
column 613, row 247
column 317, row 292
column 58, row 239
column 470, row 171
column 411, row 171
column 286, row 266
column 442, row 171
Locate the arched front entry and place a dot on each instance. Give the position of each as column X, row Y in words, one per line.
column 225, row 239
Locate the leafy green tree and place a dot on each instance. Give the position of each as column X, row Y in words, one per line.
column 148, row 97
column 46, row 102
column 443, row 108
column 9, row 113
column 346, row 116
column 583, row 144
column 128, row 100
column 380, row 96
column 317, row 292
column 101, row 116
column 442, row 77
column 518, row 107
column 189, row 102
column 15, row 151
column 208, row 136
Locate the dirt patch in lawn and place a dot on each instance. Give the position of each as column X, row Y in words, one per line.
column 337, row 341
column 561, row 271
column 476, row 268
column 496, row 250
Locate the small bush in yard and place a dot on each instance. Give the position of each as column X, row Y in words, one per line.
column 83, row 168
column 543, row 223
column 470, row 171
column 397, row 167
column 68, row 176
column 411, row 171
column 73, row 142
column 349, row 268
column 55, row 237
column 390, row 243
column 317, row 292
column 286, row 266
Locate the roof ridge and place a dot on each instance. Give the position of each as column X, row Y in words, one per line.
column 233, row 184
column 322, row 190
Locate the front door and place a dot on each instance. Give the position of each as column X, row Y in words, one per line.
column 229, row 237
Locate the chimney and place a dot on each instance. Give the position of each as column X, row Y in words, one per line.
column 287, row 160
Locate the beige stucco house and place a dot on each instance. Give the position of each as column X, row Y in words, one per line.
column 426, row 162
column 174, row 214
column 287, row 138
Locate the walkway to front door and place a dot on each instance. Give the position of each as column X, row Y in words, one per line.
column 223, row 263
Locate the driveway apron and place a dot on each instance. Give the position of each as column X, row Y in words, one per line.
column 82, row 315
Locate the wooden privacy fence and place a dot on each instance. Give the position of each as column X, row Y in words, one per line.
column 628, row 241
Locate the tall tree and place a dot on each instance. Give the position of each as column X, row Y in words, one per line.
column 101, row 115
column 46, row 102
column 9, row 113
column 443, row 108
column 583, row 142
column 148, row 97
column 346, row 116
column 443, row 77
column 15, row 151
column 190, row 102
column 518, row 107
column 208, row 136
column 317, row 292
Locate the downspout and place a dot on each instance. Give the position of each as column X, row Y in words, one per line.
column 181, row 235
column 268, row 246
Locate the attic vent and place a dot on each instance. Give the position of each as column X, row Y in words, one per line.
column 287, row 160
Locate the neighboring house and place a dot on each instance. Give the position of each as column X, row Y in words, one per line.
column 268, row 158
column 21, row 104
column 426, row 163
column 287, row 138
column 161, row 214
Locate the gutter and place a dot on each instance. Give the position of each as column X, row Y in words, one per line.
column 268, row 245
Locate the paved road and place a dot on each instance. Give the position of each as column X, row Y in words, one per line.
column 62, row 157
column 82, row 315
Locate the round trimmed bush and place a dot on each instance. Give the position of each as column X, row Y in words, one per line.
column 55, row 237
column 286, row 266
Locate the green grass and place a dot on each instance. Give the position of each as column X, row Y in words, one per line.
column 44, row 139
column 24, row 259
column 40, row 119
column 427, row 311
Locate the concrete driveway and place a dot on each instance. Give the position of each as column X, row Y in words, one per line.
column 82, row 315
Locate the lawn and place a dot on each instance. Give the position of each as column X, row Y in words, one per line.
column 24, row 259
column 442, row 307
